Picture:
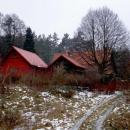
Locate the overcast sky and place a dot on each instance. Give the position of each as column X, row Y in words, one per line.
column 61, row 16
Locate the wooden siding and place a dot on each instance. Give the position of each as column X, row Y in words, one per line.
column 68, row 66
column 15, row 62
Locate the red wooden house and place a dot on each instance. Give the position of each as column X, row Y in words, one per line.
column 19, row 61
column 70, row 63
column 75, row 62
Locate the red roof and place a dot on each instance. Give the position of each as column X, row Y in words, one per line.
column 32, row 58
column 74, row 62
column 76, row 58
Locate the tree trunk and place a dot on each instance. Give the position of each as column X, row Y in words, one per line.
column 101, row 69
column 113, row 55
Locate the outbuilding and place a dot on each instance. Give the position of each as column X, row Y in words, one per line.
column 69, row 63
column 19, row 61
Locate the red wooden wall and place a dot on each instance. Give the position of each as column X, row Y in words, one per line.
column 15, row 63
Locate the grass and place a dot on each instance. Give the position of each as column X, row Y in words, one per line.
column 32, row 106
column 119, row 119
column 118, row 122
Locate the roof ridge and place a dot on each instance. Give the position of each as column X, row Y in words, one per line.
column 24, row 50
column 69, row 59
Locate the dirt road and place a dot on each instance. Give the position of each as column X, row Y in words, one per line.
column 93, row 119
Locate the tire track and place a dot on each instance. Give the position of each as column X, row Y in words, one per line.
column 90, row 112
column 99, row 122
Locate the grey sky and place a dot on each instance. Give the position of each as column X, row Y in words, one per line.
column 61, row 16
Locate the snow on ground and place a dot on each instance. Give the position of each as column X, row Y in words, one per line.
column 45, row 111
column 101, row 99
column 119, row 118
column 99, row 122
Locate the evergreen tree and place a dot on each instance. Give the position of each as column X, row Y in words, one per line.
column 29, row 41
column 55, row 40
column 49, row 46
column 79, row 43
column 42, row 48
column 46, row 46
column 65, row 43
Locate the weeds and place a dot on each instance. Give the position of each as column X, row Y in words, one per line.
column 9, row 117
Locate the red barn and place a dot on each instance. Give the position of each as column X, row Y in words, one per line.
column 69, row 63
column 19, row 61
column 77, row 61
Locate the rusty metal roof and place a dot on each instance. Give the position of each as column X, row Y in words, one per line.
column 32, row 58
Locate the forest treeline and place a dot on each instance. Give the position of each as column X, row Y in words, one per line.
column 13, row 31
column 101, row 32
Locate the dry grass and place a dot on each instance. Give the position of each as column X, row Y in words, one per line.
column 120, row 118
column 118, row 122
column 9, row 119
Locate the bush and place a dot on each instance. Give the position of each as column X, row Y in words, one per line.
column 93, row 76
column 68, row 94
column 64, row 91
column 105, row 79
column 60, row 89
column 73, row 80
column 61, row 77
column 37, row 81
column 118, row 122
column 10, row 118
column 58, row 77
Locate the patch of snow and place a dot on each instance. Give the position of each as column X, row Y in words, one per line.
column 116, row 109
column 118, row 92
column 90, row 94
column 28, row 114
column 25, row 97
column 101, row 119
column 45, row 94
column 59, row 128
column 91, row 110
column 40, row 129
column 82, row 94
column 76, row 96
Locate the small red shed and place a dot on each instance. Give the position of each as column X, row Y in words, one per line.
column 19, row 61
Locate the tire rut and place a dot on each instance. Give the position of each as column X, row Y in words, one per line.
column 96, row 119
column 90, row 112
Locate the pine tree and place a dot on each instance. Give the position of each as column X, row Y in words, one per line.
column 55, row 40
column 29, row 42
column 65, row 43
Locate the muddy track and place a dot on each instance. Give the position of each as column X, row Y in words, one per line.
column 89, row 117
column 96, row 119
column 98, row 125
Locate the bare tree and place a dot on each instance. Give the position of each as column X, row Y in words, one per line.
column 12, row 25
column 103, row 31
column 12, row 32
